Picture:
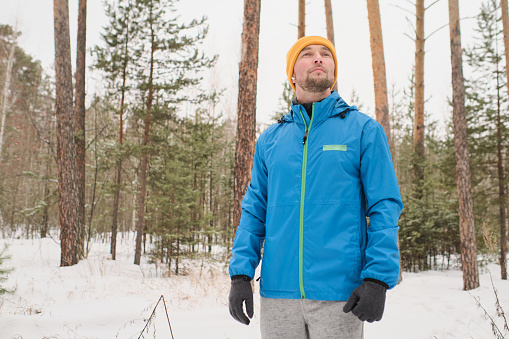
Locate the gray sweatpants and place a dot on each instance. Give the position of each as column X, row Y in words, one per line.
column 307, row 319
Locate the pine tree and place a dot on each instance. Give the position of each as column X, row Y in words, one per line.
column 246, row 108
column 465, row 210
column 330, row 29
column 4, row 272
column 378, row 65
column 79, row 121
column 169, row 62
column 115, row 59
column 66, row 151
column 301, row 30
column 418, row 140
column 488, row 125
column 428, row 225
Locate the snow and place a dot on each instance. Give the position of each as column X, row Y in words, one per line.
column 102, row 298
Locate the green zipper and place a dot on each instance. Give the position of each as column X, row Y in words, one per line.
column 302, row 196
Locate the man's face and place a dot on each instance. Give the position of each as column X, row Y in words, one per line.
column 314, row 69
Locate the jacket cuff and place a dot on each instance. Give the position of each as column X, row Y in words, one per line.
column 241, row 277
column 375, row 281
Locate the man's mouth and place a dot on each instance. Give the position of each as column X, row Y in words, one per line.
column 318, row 69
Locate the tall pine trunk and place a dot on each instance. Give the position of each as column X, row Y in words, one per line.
column 503, row 227
column 378, row 65
column 5, row 93
column 79, row 120
column 66, row 151
column 118, row 173
column 144, row 158
column 418, row 138
column 246, row 107
column 301, row 30
column 465, row 210
column 330, row 28
column 501, row 195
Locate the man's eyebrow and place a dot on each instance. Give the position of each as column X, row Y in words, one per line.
column 322, row 48
column 325, row 48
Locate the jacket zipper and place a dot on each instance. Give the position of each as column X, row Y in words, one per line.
column 302, row 196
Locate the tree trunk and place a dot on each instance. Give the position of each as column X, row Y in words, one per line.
column 378, row 64
column 246, row 121
column 301, row 31
column 418, row 140
column 466, row 214
column 116, row 199
column 5, row 93
column 116, row 202
column 144, row 159
column 501, row 200
column 45, row 212
column 94, row 185
column 79, row 120
column 66, row 150
column 503, row 228
column 330, row 29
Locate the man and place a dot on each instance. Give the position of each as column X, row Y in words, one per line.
column 317, row 175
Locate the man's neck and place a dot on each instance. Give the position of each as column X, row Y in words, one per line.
column 304, row 97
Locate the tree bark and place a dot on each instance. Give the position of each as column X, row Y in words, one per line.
column 330, row 29
column 418, row 138
column 301, row 31
column 465, row 210
column 79, row 120
column 45, row 212
column 503, row 227
column 501, row 198
column 66, row 150
column 378, row 64
column 5, row 93
column 246, row 121
column 144, row 160
column 118, row 174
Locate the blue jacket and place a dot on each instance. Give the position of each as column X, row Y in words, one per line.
column 314, row 182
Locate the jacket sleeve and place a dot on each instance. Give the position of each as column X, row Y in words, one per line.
column 383, row 206
column 246, row 252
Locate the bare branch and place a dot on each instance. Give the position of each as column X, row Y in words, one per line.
column 411, row 25
column 97, row 135
column 409, row 36
column 447, row 24
column 436, row 30
column 431, row 4
column 42, row 138
column 404, row 9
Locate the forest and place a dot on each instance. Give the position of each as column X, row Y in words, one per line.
column 152, row 153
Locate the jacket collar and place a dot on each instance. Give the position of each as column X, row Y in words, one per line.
column 331, row 105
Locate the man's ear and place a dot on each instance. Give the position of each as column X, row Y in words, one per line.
column 293, row 77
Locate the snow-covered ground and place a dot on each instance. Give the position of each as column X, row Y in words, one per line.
column 102, row 298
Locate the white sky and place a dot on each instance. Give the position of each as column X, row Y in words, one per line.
column 278, row 32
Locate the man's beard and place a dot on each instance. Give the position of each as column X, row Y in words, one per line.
column 316, row 84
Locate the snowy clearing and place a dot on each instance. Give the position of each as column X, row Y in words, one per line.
column 102, row 298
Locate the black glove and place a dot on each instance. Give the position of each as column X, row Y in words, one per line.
column 367, row 301
column 241, row 291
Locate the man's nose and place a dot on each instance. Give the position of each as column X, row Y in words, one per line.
column 318, row 59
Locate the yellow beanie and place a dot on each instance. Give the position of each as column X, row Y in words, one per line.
column 293, row 53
